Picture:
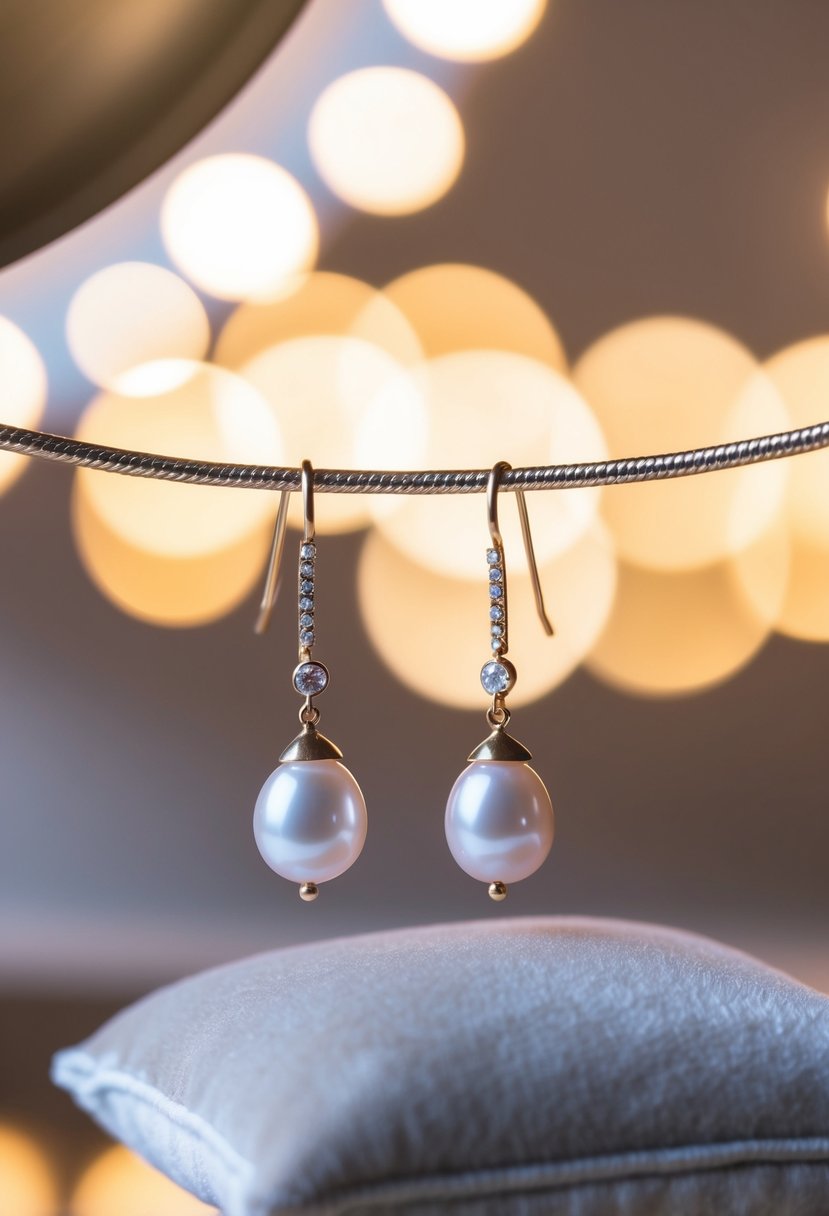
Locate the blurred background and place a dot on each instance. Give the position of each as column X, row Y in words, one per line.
column 421, row 235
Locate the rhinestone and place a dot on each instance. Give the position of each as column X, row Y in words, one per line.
column 306, row 637
column 495, row 574
column 496, row 630
column 493, row 556
column 306, row 569
column 495, row 592
column 306, row 620
column 308, row 551
column 306, row 587
column 306, row 603
column 497, row 677
column 498, row 645
column 310, row 679
column 496, row 612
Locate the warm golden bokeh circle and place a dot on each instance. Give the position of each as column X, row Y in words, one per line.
column 386, row 140
column 27, row 1180
column 801, row 375
column 486, row 406
column 467, row 30
column 163, row 590
column 674, row 632
column 213, row 414
column 321, row 302
column 130, row 314
column 239, row 226
column 340, row 402
column 453, row 306
column 118, row 1183
column 432, row 632
column 24, row 392
column 667, row 384
column 804, row 612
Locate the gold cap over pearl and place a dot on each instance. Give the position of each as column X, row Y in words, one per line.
column 310, row 745
column 500, row 746
column 498, row 891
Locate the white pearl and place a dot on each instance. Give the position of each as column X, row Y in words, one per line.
column 310, row 820
column 499, row 820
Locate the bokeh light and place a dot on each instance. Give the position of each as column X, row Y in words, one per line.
column 679, row 631
column 27, row 1182
column 486, row 406
column 466, row 30
column 119, row 1182
column 801, row 375
column 321, row 303
column 131, row 314
column 386, row 140
column 342, row 403
column 239, row 226
column 433, row 632
column 23, row 381
column 162, row 590
column 805, row 610
column 669, row 383
column 453, row 306
column 213, row 414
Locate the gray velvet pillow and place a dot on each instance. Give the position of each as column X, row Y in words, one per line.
column 514, row 1068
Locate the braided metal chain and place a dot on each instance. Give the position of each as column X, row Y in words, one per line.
column 468, row 481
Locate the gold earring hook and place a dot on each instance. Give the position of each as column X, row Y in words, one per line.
column 492, row 487
column 308, row 531
column 269, row 593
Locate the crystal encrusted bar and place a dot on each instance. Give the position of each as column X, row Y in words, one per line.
column 307, row 570
column 497, row 600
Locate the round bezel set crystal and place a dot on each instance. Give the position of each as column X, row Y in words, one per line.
column 498, row 677
column 311, row 678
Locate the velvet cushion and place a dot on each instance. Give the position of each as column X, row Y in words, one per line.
column 516, row 1067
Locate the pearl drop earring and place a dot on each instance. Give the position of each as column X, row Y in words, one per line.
column 310, row 817
column 499, row 817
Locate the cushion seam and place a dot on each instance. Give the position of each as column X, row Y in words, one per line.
column 96, row 1080
column 537, row 1178
column 533, row 1177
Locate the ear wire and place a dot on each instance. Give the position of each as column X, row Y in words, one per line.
column 271, row 587
column 492, row 487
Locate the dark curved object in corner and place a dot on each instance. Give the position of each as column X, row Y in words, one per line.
column 96, row 94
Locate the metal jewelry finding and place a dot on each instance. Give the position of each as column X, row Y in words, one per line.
column 310, row 817
column 499, row 818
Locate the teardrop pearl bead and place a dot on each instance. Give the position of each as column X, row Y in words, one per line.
column 499, row 821
column 310, row 820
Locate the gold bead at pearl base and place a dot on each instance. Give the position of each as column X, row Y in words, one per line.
column 498, row 891
column 309, row 891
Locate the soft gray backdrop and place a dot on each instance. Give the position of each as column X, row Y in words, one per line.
column 631, row 158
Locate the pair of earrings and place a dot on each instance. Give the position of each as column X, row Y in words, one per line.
column 310, row 819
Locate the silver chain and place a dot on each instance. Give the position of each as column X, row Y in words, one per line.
column 465, row 481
